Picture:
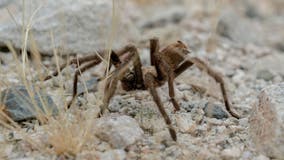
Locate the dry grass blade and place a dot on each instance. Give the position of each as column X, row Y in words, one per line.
column 114, row 25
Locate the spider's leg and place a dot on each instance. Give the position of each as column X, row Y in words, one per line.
column 136, row 63
column 150, row 83
column 181, row 68
column 119, row 73
column 218, row 78
column 55, row 73
column 163, row 70
column 154, row 48
column 114, row 60
column 166, row 70
column 172, row 90
column 155, row 57
column 78, row 72
column 110, row 88
column 77, row 61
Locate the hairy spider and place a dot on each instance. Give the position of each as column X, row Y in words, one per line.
column 166, row 65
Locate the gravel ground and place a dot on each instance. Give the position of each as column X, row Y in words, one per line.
column 135, row 129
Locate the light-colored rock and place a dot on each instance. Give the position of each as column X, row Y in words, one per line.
column 2, row 138
column 231, row 153
column 261, row 157
column 247, row 155
column 221, row 129
column 150, row 119
column 243, row 122
column 173, row 152
column 5, row 2
column 238, row 29
column 172, row 15
column 272, row 63
column 119, row 131
column 185, row 123
column 116, row 154
column 264, row 74
column 267, row 121
column 76, row 26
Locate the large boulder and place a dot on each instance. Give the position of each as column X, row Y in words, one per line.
column 75, row 26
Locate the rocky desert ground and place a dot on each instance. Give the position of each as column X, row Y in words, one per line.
column 243, row 40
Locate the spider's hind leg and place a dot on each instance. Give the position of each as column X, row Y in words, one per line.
column 218, row 78
column 77, row 61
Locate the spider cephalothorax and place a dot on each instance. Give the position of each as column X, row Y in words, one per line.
column 166, row 65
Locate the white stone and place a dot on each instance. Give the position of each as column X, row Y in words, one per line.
column 119, row 131
column 261, row 157
column 243, row 122
column 231, row 153
column 221, row 129
column 2, row 138
column 185, row 122
column 116, row 154
column 273, row 63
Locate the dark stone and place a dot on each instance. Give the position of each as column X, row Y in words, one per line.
column 215, row 111
column 280, row 46
column 20, row 106
column 252, row 12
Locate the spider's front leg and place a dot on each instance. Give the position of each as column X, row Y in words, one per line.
column 163, row 70
column 150, row 82
column 166, row 69
column 121, row 69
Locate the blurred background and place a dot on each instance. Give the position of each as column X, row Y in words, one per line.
column 80, row 27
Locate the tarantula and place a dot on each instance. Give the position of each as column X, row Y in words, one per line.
column 166, row 65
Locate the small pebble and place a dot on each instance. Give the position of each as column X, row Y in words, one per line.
column 261, row 157
column 116, row 154
column 231, row 153
column 185, row 122
column 215, row 111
